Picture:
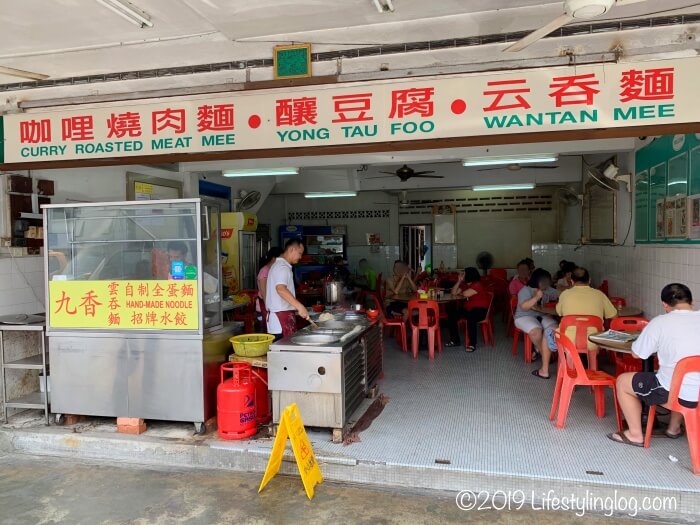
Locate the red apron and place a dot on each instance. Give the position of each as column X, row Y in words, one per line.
column 288, row 321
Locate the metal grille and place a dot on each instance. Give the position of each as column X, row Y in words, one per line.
column 352, row 214
column 374, row 349
column 353, row 379
column 608, row 26
column 497, row 204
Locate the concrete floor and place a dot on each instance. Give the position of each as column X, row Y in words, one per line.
column 45, row 490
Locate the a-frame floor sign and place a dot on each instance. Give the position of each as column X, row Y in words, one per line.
column 292, row 426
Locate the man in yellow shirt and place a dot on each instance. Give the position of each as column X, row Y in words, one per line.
column 580, row 299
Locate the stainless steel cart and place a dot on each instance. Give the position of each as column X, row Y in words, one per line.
column 134, row 315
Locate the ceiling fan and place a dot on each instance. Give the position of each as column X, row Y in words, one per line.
column 573, row 10
column 518, row 167
column 404, row 173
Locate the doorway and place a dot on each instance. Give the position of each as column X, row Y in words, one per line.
column 416, row 246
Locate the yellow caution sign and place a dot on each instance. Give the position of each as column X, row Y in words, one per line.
column 292, row 426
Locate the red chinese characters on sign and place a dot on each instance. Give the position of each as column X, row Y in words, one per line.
column 90, row 303
column 411, row 101
column 151, row 318
column 64, row 304
column 114, row 319
column 574, row 90
column 187, row 290
column 123, row 124
column 512, row 91
column 647, row 84
column 180, row 319
column 352, row 108
column 77, row 128
column 35, row 131
column 296, row 111
column 218, row 117
column 168, row 118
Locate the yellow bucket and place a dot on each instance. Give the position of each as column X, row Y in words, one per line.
column 251, row 345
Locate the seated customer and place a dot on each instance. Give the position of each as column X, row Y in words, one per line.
column 521, row 279
column 672, row 337
column 400, row 283
column 470, row 287
column 538, row 290
column 367, row 279
column 565, row 282
column 580, row 299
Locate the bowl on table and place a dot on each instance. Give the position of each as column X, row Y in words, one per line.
column 372, row 314
column 318, row 308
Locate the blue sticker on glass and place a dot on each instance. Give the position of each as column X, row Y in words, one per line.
column 177, row 270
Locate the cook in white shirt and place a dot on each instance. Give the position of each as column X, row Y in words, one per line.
column 672, row 337
column 280, row 296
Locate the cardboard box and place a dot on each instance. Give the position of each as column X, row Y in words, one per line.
column 30, row 233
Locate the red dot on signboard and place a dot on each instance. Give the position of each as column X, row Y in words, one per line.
column 459, row 106
column 254, row 121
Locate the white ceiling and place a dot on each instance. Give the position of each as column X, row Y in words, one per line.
column 65, row 38
column 357, row 172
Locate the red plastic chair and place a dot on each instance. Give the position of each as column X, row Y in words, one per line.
column 486, row 326
column 585, row 325
column 428, row 317
column 626, row 362
column 516, row 333
column 397, row 325
column 574, row 374
column 247, row 313
column 499, row 273
column 618, row 302
column 691, row 416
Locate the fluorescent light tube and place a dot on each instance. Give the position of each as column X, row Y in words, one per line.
column 128, row 12
column 261, row 172
column 330, row 194
column 505, row 187
column 509, row 159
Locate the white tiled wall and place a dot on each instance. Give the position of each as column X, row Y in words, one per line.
column 637, row 273
column 21, row 285
column 382, row 260
column 548, row 255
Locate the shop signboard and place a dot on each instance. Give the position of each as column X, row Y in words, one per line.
column 586, row 97
column 124, row 305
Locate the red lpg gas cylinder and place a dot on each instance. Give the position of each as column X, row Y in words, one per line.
column 235, row 402
column 263, row 403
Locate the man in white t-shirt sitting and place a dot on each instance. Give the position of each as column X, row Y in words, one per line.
column 672, row 337
column 280, row 297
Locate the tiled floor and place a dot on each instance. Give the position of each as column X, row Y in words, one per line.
column 484, row 412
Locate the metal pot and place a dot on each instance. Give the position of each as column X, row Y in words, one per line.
column 332, row 292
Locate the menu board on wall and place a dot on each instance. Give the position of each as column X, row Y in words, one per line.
column 667, row 172
column 675, row 217
column 694, row 217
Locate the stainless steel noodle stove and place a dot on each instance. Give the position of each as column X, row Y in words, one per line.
column 327, row 372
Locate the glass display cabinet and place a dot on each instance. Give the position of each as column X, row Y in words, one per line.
column 134, row 313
